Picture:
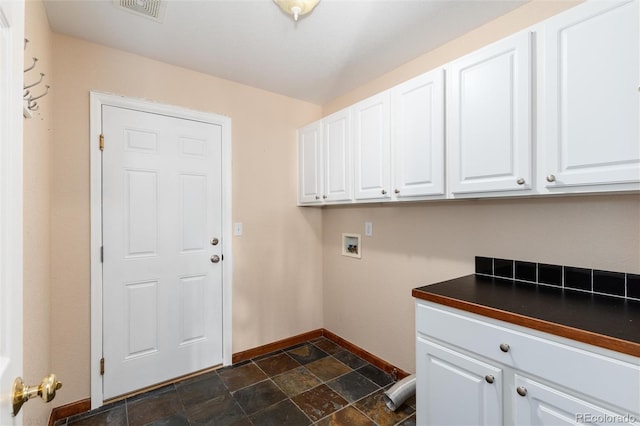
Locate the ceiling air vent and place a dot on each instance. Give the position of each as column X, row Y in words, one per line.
column 152, row 9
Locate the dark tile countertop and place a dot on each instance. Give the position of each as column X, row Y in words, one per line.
column 609, row 322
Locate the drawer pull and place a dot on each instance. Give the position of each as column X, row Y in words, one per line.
column 504, row 347
column 489, row 378
column 522, row 391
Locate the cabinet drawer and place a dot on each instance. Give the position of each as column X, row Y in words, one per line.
column 607, row 379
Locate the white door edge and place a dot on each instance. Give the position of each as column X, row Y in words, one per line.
column 97, row 100
column 11, row 202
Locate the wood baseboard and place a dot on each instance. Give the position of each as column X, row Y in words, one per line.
column 391, row 369
column 68, row 410
column 280, row 344
column 397, row 374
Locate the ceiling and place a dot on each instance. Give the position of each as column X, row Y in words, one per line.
column 336, row 48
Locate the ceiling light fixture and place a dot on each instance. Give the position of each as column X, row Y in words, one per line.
column 296, row 8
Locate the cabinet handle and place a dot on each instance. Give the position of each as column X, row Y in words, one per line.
column 551, row 178
column 504, row 347
column 522, row 391
column 489, row 378
column 384, row 192
column 397, row 191
column 520, row 181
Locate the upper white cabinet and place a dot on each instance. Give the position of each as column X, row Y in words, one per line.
column 591, row 129
column 338, row 171
column 310, row 164
column 489, row 118
column 372, row 148
column 417, row 123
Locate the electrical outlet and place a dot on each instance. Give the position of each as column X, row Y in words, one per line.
column 368, row 229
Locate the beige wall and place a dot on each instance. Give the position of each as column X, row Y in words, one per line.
column 277, row 289
column 368, row 301
column 37, row 212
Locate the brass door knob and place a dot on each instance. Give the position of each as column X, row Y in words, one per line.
column 20, row 393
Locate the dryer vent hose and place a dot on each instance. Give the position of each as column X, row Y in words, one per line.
column 400, row 392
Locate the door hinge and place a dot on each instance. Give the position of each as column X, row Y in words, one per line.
column 102, row 366
column 101, row 142
column 101, row 254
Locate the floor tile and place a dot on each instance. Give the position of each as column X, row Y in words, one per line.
column 259, row 396
column 296, row 381
column 277, row 364
column 154, row 407
column 280, row 414
column 374, row 407
column 353, row 386
column 319, row 402
column 315, row 381
column 350, row 359
column 410, row 421
column 327, row 345
column 221, row 410
column 327, row 368
column 238, row 378
column 306, row 354
column 116, row 416
column 199, row 389
column 376, row 375
column 348, row 416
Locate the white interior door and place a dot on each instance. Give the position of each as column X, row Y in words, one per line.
column 162, row 289
column 11, row 55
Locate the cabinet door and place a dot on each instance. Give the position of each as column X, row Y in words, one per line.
column 372, row 148
column 337, row 156
column 536, row 404
column 418, row 135
column 455, row 389
column 592, row 105
column 489, row 118
column 310, row 164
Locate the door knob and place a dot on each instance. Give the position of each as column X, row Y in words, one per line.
column 214, row 241
column 20, row 393
column 215, row 258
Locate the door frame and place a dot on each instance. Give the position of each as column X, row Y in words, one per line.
column 97, row 100
column 11, row 202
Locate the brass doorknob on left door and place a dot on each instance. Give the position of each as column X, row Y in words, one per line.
column 20, row 393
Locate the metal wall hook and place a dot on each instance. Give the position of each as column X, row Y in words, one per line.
column 31, row 98
column 35, row 60
column 37, row 82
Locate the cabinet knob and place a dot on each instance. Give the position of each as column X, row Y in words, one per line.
column 520, row 181
column 504, row 347
column 551, row 178
column 317, row 197
column 522, row 391
column 489, row 378
column 397, row 191
column 384, row 191
column 324, row 197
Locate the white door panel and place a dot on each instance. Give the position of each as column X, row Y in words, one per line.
column 162, row 294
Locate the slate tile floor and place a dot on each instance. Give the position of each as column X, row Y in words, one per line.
column 314, row 383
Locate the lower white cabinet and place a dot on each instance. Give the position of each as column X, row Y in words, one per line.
column 474, row 370
column 461, row 390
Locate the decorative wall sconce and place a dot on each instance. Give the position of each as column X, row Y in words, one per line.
column 296, row 8
column 29, row 99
